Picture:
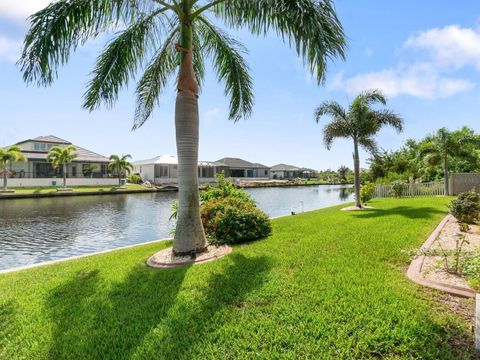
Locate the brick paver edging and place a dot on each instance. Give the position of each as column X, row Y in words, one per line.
column 414, row 272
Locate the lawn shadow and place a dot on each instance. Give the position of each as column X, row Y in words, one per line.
column 409, row 212
column 8, row 330
column 150, row 313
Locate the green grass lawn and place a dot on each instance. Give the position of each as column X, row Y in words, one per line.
column 53, row 189
column 326, row 284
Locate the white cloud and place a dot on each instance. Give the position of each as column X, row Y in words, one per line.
column 428, row 72
column 451, row 46
column 419, row 81
column 9, row 49
column 21, row 9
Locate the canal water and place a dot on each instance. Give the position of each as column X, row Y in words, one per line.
column 37, row 230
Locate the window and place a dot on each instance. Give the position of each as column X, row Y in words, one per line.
column 161, row 171
column 266, row 172
column 206, row 172
column 74, row 171
column 42, row 146
column 236, row 173
column 104, row 168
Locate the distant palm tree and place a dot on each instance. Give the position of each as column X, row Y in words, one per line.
column 359, row 123
column 13, row 153
column 444, row 145
column 175, row 37
column 62, row 156
column 120, row 165
column 343, row 172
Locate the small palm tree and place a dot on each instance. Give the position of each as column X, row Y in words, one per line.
column 13, row 153
column 343, row 172
column 445, row 145
column 359, row 123
column 120, row 165
column 164, row 38
column 62, row 156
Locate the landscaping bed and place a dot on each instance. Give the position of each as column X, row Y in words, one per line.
column 440, row 263
column 325, row 284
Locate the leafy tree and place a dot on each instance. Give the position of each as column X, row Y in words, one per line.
column 62, row 156
column 12, row 154
column 359, row 123
column 444, row 145
column 120, row 166
column 343, row 172
column 175, row 37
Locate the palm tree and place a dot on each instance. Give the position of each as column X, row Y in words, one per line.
column 442, row 146
column 343, row 172
column 120, row 165
column 359, row 123
column 62, row 156
column 13, row 153
column 176, row 37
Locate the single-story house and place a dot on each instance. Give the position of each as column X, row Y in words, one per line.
column 285, row 172
column 163, row 169
column 242, row 169
column 88, row 168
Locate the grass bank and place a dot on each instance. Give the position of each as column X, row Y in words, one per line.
column 326, row 284
column 22, row 192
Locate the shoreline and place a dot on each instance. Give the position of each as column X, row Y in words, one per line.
column 100, row 252
column 167, row 188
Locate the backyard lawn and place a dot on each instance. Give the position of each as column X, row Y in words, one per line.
column 326, row 284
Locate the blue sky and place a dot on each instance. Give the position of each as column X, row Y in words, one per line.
column 424, row 54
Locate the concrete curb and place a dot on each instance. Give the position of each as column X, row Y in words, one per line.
column 51, row 262
column 414, row 271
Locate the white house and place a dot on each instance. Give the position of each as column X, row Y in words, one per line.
column 163, row 169
column 286, row 172
column 88, row 168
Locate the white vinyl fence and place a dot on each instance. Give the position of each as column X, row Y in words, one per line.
column 420, row 189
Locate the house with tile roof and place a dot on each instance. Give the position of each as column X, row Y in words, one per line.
column 242, row 169
column 88, row 168
column 286, row 172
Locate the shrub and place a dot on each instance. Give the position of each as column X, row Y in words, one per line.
column 233, row 219
column 225, row 188
column 397, row 188
column 134, row 179
column 366, row 192
column 466, row 208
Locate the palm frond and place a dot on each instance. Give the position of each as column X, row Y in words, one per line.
column 388, row 117
column 337, row 128
column 62, row 26
column 155, row 79
column 311, row 26
column 226, row 54
column 332, row 108
column 370, row 145
column 119, row 61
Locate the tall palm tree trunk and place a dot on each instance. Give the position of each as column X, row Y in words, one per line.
column 356, row 169
column 189, row 234
column 445, row 174
column 5, row 176
column 119, row 177
column 64, row 176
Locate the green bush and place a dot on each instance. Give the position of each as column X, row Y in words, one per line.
column 232, row 220
column 229, row 214
column 366, row 192
column 466, row 208
column 225, row 188
column 134, row 179
column 397, row 188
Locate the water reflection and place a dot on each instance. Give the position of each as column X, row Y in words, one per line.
column 36, row 230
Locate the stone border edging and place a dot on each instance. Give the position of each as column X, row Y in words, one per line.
column 163, row 265
column 414, row 271
column 51, row 262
